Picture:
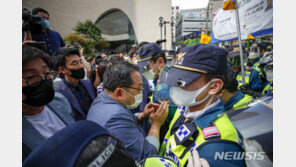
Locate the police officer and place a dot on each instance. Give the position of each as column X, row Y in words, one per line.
column 254, row 58
column 266, row 66
column 199, row 123
column 151, row 60
column 230, row 95
column 234, row 58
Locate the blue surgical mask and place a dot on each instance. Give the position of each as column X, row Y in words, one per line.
column 44, row 23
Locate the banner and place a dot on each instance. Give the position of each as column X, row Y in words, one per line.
column 228, row 4
column 257, row 15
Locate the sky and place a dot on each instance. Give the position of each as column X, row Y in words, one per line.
column 190, row 4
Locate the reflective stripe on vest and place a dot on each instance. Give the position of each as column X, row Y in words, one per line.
column 170, row 149
column 242, row 103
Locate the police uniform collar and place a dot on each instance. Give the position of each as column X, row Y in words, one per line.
column 234, row 99
column 209, row 116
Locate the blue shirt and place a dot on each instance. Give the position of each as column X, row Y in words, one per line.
column 52, row 38
column 121, row 123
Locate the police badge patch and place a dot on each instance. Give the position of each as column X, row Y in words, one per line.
column 184, row 132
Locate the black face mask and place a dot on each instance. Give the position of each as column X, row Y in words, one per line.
column 39, row 95
column 78, row 74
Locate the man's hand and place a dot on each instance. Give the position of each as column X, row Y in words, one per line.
column 195, row 161
column 149, row 108
column 28, row 41
column 80, row 49
column 158, row 118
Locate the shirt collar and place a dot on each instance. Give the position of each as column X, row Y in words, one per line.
column 210, row 115
column 234, row 99
column 70, row 84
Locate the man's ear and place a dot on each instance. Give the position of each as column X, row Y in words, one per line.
column 161, row 61
column 62, row 70
column 215, row 86
column 118, row 93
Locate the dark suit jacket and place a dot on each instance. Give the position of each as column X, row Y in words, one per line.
column 66, row 91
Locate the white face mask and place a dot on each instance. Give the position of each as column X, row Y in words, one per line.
column 149, row 75
column 253, row 55
column 138, row 99
column 187, row 98
column 269, row 76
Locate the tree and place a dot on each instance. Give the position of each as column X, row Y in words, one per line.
column 88, row 35
column 93, row 33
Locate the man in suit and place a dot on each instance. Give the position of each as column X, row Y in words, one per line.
column 80, row 93
column 44, row 111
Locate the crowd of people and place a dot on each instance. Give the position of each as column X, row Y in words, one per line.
column 104, row 110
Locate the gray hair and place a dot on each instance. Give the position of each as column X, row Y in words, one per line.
column 119, row 75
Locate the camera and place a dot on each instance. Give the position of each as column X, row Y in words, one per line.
column 31, row 22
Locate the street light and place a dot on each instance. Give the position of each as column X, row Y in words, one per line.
column 172, row 25
column 160, row 24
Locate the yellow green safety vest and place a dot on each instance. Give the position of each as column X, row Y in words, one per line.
column 239, row 78
column 243, row 102
column 179, row 153
column 268, row 88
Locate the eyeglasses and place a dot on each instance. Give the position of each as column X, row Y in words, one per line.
column 36, row 80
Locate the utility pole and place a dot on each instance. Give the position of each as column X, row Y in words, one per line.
column 207, row 17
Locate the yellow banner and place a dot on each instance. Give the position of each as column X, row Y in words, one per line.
column 205, row 39
column 228, row 4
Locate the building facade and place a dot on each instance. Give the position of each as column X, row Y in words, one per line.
column 122, row 21
column 190, row 20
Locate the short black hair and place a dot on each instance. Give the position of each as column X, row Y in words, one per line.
column 93, row 149
column 116, row 58
column 30, row 53
column 104, row 64
column 119, row 75
column 155, row 57
column 59, row 57
column 231, row 85
column 38, row 9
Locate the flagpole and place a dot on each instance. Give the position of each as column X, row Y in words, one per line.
column 239, row 41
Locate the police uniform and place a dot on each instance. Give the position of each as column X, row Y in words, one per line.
column 144, row 54
column 239, row 78
column 238, row 101
column 268, row 85
column 210, row 133
column 268, row 89
column 157, row 161
column 234, row 58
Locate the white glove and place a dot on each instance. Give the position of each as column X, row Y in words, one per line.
column 195, row 161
